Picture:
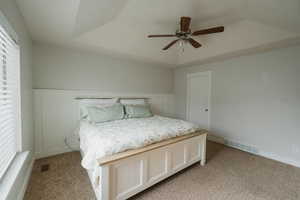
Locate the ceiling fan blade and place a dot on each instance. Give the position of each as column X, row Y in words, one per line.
column 217, row 29
column 194, row 43
column 185, row 24
column 168, row 35
column 169, row 45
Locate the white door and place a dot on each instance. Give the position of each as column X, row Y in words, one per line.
column 198, row 99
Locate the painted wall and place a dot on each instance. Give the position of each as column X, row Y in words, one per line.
column 62, row 68
column 11, row 12
column 255, row 101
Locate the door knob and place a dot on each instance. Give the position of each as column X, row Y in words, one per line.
column 206, row 110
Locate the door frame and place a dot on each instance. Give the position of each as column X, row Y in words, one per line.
column 188, row 96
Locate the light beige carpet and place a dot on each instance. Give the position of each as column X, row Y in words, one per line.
column 229, row 175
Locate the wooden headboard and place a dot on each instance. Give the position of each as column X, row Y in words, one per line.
column 81, row 98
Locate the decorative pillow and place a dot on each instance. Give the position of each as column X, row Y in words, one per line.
column 84, row 103
column 133, row 101
column 137, row 111
column 99, row 114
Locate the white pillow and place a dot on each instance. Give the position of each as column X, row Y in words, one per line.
column 133, row 101
column 84, row 103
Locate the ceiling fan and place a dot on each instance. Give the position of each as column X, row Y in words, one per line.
column 184, row 34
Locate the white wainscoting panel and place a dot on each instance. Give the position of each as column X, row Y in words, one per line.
column 57, row 112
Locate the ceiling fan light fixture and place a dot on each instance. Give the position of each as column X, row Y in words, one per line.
column 182, row 44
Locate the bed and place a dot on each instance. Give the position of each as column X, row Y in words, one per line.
column 124, row 157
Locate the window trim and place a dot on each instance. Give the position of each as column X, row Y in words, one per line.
column 19, row 137
column 12, row 36
column 8, row 28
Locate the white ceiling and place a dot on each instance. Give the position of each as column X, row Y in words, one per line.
column 121, row 27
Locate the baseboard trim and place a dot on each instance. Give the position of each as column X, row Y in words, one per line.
column 52, row 152
column 216, row 139
column 26, row 181
column 252, row 150
column 280, row 159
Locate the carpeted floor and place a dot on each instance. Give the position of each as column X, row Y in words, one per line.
column 230, row 174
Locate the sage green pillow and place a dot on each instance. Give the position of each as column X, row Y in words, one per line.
column 138, row 111
column 101, row 114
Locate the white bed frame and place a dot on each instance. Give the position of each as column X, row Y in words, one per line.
column 126, row 174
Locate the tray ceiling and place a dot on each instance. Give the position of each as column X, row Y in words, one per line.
column 121, row 27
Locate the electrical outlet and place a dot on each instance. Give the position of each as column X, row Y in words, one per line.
column 295, row 149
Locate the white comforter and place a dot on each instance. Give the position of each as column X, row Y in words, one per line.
column 109, row 138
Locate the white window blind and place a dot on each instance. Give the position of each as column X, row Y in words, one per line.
column 9, row 100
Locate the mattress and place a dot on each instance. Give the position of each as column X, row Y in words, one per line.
column 108, row 138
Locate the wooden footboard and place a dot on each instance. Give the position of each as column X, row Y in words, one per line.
column 125, row 174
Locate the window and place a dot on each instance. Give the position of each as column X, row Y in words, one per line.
column 9, row 100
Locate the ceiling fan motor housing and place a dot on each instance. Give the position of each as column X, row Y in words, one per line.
column 183, row 35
